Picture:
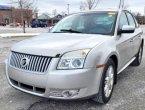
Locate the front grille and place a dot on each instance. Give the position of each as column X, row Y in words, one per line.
column 35, row 64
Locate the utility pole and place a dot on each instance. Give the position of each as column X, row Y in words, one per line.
column 121, row 5
column 144, row 15
column 68, row 8
column 144, row 10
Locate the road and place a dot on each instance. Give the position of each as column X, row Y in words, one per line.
column 129, row 93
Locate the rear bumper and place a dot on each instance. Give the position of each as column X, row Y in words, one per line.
column 52, row 84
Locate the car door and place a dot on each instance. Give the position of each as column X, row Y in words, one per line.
column 124, row 43
column 136, row 36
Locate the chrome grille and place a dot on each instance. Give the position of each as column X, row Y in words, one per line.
column 36, row 63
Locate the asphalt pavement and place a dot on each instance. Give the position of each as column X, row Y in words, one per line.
column 129, row 93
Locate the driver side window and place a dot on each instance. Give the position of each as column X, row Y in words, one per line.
column 123, row 20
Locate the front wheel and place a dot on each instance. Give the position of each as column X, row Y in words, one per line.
column 107, row 83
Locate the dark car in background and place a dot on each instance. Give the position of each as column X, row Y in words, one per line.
column 2, row 24
column 36, row 24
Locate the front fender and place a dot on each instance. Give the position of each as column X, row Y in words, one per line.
column 100, row 55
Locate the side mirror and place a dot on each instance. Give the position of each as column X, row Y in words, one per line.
column 127, row 29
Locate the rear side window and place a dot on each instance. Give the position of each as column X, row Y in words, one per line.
column 131, row 20
column 123, row 20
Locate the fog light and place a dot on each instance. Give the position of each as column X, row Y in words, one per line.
column 70, row 93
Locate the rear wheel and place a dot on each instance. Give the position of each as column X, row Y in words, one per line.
column 138, row 59
column 107, row 83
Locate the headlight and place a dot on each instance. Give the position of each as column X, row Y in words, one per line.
column 73, row 60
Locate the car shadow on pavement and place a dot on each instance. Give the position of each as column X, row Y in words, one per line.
column 49, row 104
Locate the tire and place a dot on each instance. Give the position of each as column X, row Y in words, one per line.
column 102, row 97
column 35, row 26
column 138, row 59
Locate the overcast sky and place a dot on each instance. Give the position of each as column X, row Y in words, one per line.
column 61, row 5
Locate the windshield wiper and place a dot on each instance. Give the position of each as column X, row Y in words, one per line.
column 70, row 30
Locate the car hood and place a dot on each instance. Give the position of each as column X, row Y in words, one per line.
column 52, row 44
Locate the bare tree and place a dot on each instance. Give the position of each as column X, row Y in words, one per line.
column 89, row 4
column 82, row 6
column 25, row 6
column 140, row 18
column 29, row 12
column 13, row 15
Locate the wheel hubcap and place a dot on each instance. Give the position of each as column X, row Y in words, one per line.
column 109, row 81
column 140, row 55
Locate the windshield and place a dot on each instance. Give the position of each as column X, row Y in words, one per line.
column 88, row 23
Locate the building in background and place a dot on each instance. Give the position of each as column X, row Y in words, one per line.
column 13, row 15
column 5, row 14
column 54, row 20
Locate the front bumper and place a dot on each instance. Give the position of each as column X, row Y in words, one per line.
column 53, row 83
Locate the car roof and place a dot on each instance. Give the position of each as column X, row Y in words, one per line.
column 100, row 10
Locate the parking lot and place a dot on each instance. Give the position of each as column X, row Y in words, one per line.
column 4, row 30
column 129, row 93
